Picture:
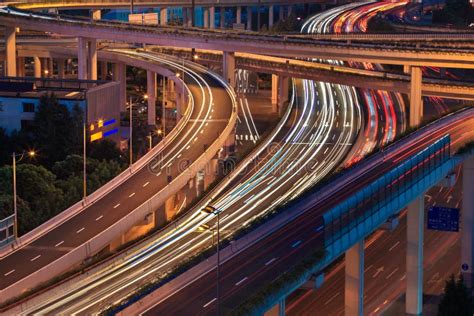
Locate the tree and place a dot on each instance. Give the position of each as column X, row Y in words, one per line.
column 105, row 149
column 456, row 299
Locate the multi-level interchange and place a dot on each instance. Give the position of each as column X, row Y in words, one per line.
column 337, row 92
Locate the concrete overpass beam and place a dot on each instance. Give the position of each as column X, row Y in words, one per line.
column 37, row 66
column 229, row 68
column 212, row 18
column 277, row 310
column 10, row 51
column 274, row 93
column 467, row 234
column 205, row 18
column 238, row 15
column 151, row 92
column 414, row 275
column 163, row 16
column 96, row 15
column 93, row 59
column 270, row 16
column 354, row 287
column 222, row 18
column 82, row 58
column 416, row 102
column 249, row 18
column 283, row 92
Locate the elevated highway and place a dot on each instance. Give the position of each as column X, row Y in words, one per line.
column 90, row 225
column 233, row 41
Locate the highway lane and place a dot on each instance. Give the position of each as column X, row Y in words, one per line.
column 206, row 121
column 385, row 265
column 316, row 137
column 286, row 245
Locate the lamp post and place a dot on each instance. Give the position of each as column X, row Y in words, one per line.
column 212, row 210
column 15, row 208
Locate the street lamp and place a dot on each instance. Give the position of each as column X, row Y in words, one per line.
column 31, row 154
column 212, row 210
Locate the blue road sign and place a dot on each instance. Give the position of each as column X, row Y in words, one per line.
column 443, row 219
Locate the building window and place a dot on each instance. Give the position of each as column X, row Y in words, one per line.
column 28, row 107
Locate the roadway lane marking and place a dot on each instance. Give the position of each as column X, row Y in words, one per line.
column 10, row 272
column 99, row 218
column 146, row 184
column 33, row 259
column 296, row 244
column 368, row 268
column 117, row 205
column 318, row 229
column 396, row 244
column 80, row 230
column 209, row 303
column 131, row 195
column 241, row 281
column 391, row 273
column 59, row 243
column 270, row 261
column 332, row 298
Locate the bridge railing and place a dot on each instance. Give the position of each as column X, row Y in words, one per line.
column 357, row 216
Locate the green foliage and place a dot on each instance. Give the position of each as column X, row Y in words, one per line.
column 288, row 25
column 457, row 299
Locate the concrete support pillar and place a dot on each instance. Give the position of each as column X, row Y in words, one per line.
column 212, row 18
column 37, row 65
column 277, row 310
column 82, row 58
column 92, row 59
column 290, row 10
column 270, row 16
column 103, row 70
column 205, row 18
column 96, row 14
column 163, row 16
column 222, row 18
column 229, row 68
column 20, row 67
column 238, row 15
column 274, row 93
column 281, row 13
column 406, row 69
column 249, row 18
column 199, row 182
column 151, row 92
column 354, row 288
column 61, row 68
column 50, row 67
column 416, row 104
column 467, row 217
column 283, row 92
column 120, row 75
column 185, row 16
column 190, row 16
column 414, row 276
column 10, row 51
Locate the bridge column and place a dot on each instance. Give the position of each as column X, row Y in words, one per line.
column 282, row 93
column 222, row 18
column 229, row 68
column 61, row 65
column 274, row 93
column 10, row 51
column 281, row 13
column 92, row 59
column 82, row 58
column 37, row 65
column 238, row 15
column 290, row 10
column 212, row 18
column 163, row 16
column 151, row 92
column 354, row 288
column 20, row 67
column 96, row 14
column 414, row 275
column 467, row 234
column 185, row 16
column 277, row 310
column 270, row 16
column 103, row 70
column 416, row 101
column 205, row 18
column 249, row 18
column 120, row 75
